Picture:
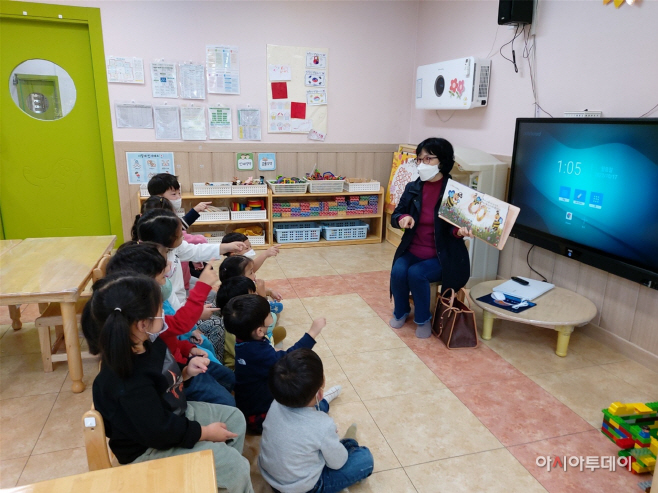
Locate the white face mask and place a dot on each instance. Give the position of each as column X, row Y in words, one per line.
column 177, row 203
column 427, row 171
column 251, row 253
column 154, row 335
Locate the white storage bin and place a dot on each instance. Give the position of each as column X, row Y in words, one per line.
column 326, row 186
column 249, row 189
column 215, row 236
column 212, row 188
column 286, row 188
column 241, row 215
column 221, row 215
column 180, row 212
column 257, row 240
column 361, row 186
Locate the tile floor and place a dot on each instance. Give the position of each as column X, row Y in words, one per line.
column 435, row 420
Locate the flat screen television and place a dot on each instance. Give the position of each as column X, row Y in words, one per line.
column 588, row 189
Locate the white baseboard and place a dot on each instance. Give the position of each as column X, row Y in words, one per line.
column 627, row 348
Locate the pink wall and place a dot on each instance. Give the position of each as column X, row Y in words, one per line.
column 371, row 55
column 589, row 55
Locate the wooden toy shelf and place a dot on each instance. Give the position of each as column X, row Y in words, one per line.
column 376, row 221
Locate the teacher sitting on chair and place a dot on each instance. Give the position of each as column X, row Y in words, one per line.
column 431, row 250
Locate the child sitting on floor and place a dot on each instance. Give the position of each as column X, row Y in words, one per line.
column 247, row 317
column 273, row 251
column 300, row 450
column 139, row 388
column 214, row 385
column 167, row 186
column 238, row 265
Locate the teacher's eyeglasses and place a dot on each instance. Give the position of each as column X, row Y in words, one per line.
column 426, row 159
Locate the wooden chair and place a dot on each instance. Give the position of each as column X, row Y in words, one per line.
column 51, row 316
column 435, row 287
column 98, row 455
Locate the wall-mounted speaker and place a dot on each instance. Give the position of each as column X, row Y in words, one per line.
column 515, row 11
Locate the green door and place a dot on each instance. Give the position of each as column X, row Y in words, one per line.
column 53, row 170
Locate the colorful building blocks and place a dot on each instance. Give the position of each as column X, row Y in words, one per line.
column 633, row 427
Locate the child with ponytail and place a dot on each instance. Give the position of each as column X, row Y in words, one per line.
column 139, row 390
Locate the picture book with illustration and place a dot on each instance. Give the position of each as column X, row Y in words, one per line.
column 489, row 218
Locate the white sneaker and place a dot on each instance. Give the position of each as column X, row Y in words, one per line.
column 332, row 393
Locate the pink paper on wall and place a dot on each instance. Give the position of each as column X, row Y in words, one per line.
column 279, row 90
column 298, row 110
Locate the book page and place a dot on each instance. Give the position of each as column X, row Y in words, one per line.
column 489, row 218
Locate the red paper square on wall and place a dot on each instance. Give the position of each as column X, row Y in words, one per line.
column 298, row 110
column 279, row 90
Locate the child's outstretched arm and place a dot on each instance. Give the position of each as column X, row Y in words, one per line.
column 263, row 291
column 238, row 247
column 272, row 251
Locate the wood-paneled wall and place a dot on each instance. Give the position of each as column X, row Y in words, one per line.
column 627, row 312
column 202, row 162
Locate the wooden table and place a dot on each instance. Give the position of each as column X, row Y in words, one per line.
column 14, row 311
column 559, row 309
column 53, row 270
column 193, row 473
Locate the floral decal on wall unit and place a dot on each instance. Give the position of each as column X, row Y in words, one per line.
column 456, row 88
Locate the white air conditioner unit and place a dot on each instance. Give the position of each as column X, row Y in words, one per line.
column 459, row 84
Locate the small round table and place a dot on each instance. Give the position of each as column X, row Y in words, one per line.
column 559, row 309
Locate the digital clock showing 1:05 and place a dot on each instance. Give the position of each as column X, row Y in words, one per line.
column 570, row 167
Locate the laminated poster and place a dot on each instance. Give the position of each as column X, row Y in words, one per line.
column 314, row 78
column 266, row 161
column 142, row 166
column 193, row 122
column 163, row 80
column 125, row 70
column 192, row 81
column 134, row 115
column 249, row 124
column 167, row 122
column 279, row 117
column 316, row 97
column 223, row 69
column 245, row 161
column 219, row 122
column 316, row 60
column 489, row 218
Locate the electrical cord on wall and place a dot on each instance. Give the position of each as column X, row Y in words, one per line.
column 445, row 121
column 512, row 60
column 527, row 259
column 649, row 112
column 528, row 53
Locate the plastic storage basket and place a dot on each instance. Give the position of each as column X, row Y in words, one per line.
column 221, row 215
column 249, row 189
column 180, row 212
column 143, row 190
column 297, row 232
column 212, row 188
column 284, row 188
column 241, row 215
column 345, row 230
column 326, row 186
column 361, row 186
column 213, row 236
column 257, row 240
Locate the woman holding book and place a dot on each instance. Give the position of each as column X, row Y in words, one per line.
column 431, row 250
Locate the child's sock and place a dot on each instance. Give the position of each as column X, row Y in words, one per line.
column 424, row 331
column 332, row 393
column 351, row 432
column 276, row 306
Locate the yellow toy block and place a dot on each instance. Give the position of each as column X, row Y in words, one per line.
column 639, row 469
column 619, row 409
column 654, row 446
column 641, row 408
column 614, row 423
column 649, row 461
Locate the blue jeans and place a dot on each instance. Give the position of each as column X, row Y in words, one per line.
column 358, row 466
column 409, row 273
column 213, row 386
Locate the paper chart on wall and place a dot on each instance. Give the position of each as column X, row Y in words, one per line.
column 279, row 72
column 315, row 78
column 167, row 122
column 142, row 166
column 193, row 122
column 301, row 61
column 163, row 80
column 125, row 70
column 223, row 69
column 192, row 81
column 219, row 123
column 249, row 126
column 134, row 115
column 279, row 117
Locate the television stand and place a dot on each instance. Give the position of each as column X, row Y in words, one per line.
column 559, row 309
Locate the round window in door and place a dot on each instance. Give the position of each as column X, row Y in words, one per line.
column 42, row 89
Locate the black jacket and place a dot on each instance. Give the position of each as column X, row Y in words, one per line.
column 451, row 251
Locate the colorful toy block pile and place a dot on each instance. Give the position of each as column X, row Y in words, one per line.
column 353, row 205
column 251, row 205
column 634, row 428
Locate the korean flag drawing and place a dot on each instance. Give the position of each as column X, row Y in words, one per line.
column 315, row 78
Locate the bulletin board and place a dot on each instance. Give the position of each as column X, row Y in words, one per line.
column 297, row 90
